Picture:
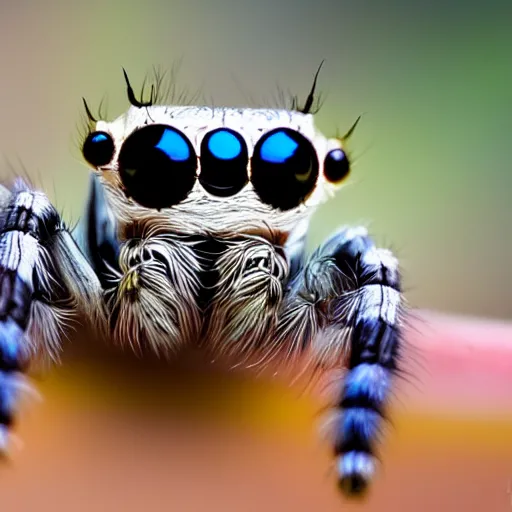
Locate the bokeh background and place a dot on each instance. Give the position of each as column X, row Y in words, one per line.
column 431, row 178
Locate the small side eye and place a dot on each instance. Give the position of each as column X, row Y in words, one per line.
column 98, row 148
column 224, row 159
column 336, row 166
column 284, row 168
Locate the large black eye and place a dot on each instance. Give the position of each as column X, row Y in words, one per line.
column 157, row 165
column 98, row 148
column 284, row 168
column 336, row 165
column 224, row 159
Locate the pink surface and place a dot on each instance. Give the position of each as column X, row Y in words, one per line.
column 461, row 365
column 118, row 433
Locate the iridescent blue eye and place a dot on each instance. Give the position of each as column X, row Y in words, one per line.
column 278, row 148
column 98, row 148
column 99, row 137
column 224, row 159
column 157, row 165
column 336, row 165
column 174, row 145
column 224, row 144
column 284, row 168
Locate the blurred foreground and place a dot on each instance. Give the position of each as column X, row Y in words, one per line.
column 116, row 432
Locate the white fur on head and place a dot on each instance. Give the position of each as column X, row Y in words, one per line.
column 202, row 212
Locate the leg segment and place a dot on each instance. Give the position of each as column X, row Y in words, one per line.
column 346, row 301
column 372, row 300
column 96, row 234
column 44, row 281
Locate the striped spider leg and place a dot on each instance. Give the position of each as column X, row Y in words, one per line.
column 347, row 298
column 45, row 283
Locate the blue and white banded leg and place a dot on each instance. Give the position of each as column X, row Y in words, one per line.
column 346, row 303
column 45, row 282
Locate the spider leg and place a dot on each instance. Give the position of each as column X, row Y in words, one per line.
column 45, row 281
column 96, row 233
column 346, row 301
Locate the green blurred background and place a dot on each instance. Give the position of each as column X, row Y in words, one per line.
column 432, row 174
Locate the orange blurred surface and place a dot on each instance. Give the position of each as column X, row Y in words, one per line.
column 116, row 432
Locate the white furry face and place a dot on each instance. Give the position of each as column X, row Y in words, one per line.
column 197, row 170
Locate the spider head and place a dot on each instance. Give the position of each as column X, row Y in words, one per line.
column 198, row 169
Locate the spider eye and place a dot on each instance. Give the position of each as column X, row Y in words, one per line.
column 284, row 168
column 157, row 165
column 98, row 148
column 224, row 159
column 336, row 165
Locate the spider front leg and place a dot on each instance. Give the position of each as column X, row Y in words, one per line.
column 351, row 291
column 45, row 281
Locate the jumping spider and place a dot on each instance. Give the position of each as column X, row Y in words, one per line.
column 195, row 231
